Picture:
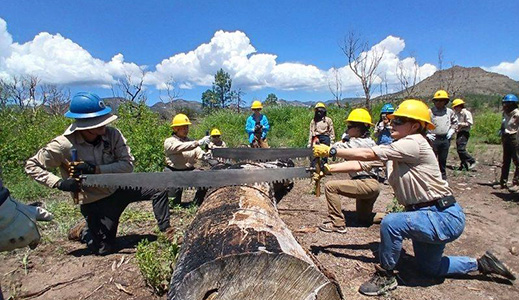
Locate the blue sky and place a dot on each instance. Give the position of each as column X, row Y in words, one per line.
column 285, row 47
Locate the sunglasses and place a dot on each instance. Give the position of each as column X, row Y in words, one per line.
column 354, row 125
column 399, row 121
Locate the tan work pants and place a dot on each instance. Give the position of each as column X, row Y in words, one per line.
column 365, row 191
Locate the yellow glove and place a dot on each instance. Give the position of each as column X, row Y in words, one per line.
column 318, row 176
column 326, row 169
column 321, row 150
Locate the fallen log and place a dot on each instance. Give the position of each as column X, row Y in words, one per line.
column 237, row 247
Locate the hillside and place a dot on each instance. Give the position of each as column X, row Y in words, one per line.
column 464, row 81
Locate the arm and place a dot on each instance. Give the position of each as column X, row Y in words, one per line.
column 454, row 119
column 362, row 154
column 173, row 146
column 249, row 125
column 265, row 123
column 311, row 133
column 123, row 158
column 49, row 157
column 346, row 167
column 332, row 131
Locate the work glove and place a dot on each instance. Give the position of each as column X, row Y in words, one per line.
column 431, row 136
column 77, row 168
column 18, row 224
column 321, row 150
column 204, row 141
column 68, row 185
column 258, row 128
column 325, row 170
column 450, row 133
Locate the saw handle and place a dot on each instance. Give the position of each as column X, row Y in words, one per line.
column 318, row 181
column 73, row 154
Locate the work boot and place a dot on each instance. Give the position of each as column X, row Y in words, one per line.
column 380, row 283
column 514, row 189
column 329, row 227
column 499, row 186
column 472, row 165
column 489, row 264
column 75, row 233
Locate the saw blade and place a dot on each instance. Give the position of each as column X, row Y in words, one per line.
column 193, row 179
column 261, row 154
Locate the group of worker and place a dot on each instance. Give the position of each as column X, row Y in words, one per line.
column 432, row 217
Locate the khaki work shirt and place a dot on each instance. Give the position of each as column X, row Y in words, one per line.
column 368, row 142
column 181, row 153
column 444, row 120
column 111, row 155
column 511, row 121
column 323, row 127
column 212, row 145
column 415, row 176
column 465, row 121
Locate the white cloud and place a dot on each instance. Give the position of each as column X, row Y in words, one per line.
column 510, row 69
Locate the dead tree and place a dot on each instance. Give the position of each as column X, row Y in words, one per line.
column 131, row 86
column 335, row 86
column 363, row 61
column 408, row 78
column 237, row 247
column 56, row 98
column 172, row 91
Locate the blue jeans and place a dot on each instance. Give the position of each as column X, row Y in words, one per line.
column 430, row 229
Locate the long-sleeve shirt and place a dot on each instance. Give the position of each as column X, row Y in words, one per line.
column 361, row 143
column 182, row 153
column 444, row 119
column 511, row 121
column 111, row 155
column 322, row 127
column 251, row 124
column 464, row 120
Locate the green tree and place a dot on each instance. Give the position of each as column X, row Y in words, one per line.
column 272, row 99
column 209, row 99
column 222, row 87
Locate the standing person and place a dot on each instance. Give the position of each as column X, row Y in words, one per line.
column 383, row 128
column 182, row 153
column 101, row 149
column 432, row 217
column 18, row 223
column 321, row 129
column 257, row 126
column 509, row 142
column 445, row 122
column 363, row 185
column 463, row 134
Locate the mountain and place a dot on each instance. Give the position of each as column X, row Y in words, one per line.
column 460, row 81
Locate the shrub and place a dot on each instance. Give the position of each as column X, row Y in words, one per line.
column 486, row 125
column 155, row 261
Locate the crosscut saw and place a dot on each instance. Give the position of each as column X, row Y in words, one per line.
column 194, row 179
column 261, row 154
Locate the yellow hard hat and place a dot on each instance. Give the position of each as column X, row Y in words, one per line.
column 359, row 115
column 441, row 95
column 457, row 102
column 414, row 109
column 320, row 105
column 180, row 120
column 215, row 131
column 256, row 105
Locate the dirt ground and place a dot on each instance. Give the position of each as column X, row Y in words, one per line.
column 63, row 270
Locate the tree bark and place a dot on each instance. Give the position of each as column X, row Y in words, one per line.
column 238, row 248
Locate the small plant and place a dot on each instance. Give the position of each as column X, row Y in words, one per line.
column 394, row 206
column 155, row 261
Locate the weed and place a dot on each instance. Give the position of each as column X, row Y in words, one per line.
column 394, row 207
column 155, row 261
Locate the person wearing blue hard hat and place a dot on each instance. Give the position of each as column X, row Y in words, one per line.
column 100, row 149
column 383, row 128
column 508, row 132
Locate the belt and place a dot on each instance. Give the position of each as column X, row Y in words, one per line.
column 442, row 203
column 359, row 177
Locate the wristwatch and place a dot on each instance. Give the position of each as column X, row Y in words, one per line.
column 333, row 152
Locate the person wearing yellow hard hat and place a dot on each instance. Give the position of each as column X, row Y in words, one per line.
column 257, row 126
column 182, row 153
column 321, row 128
column 446, row 122
column 363, row 186
column 432, row 217
column 216, row 140
column 465, row 122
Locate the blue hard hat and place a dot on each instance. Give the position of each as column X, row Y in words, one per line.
column 87, row 105
column 387, row 109
column 510, row 98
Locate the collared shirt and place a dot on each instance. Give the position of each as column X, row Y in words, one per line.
column 111, row 154
column 443, row 119
column 212, row 145
column 182, row 153
column 414, row 176
column 465, row 121
column 323, row 127
column 368, row 142
column 511, row 121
